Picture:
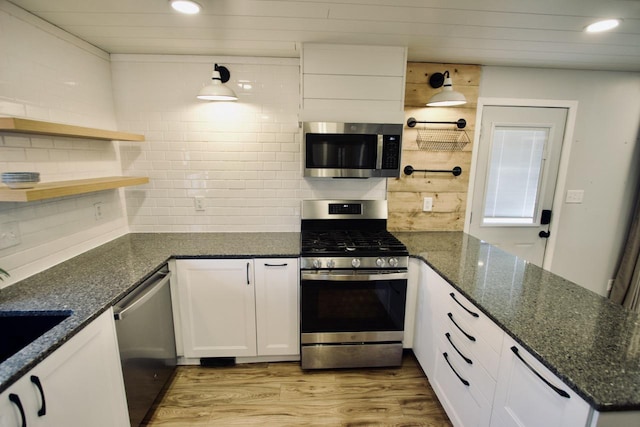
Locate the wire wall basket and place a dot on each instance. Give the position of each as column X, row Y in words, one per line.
column 442, row 139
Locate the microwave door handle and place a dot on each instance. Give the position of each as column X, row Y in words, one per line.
column 380, row 152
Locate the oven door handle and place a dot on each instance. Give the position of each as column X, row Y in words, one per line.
column 368, row 276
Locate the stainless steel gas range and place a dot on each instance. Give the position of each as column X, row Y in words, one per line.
column 353, row 282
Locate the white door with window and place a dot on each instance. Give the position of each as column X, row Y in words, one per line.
column 516, row 171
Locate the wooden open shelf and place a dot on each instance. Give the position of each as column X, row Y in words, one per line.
column 37, row 127
column 50, row 190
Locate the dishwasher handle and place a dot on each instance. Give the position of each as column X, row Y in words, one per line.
column 149, row 290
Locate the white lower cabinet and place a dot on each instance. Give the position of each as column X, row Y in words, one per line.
column 81, row 384
column 459, row 389
column 277, row 307
column 529, row 395
column 238, row 307
column 475, row 372
column 424, row 339
column 456, row 348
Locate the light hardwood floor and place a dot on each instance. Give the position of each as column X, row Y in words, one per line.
column 281, row 394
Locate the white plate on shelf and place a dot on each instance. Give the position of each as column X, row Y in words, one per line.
column 20, row 185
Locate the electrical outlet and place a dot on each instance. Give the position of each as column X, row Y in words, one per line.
column 427, row 204
column 9, row 234
column 98, row 211
column 199, row 203
column 574, row 196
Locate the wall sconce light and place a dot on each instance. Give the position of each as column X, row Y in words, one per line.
column 447, row 97
column 216, row 90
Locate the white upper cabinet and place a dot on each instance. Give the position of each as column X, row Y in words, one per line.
column 355, row 83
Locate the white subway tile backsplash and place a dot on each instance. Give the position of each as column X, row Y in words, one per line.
column 47, row 78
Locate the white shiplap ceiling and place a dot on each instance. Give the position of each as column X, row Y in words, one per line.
column 543, row 33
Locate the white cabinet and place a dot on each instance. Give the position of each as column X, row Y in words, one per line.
column 481, row 376
column 423, row 338
column 467, row 347
column 277, row 306
column 528, row 394
column 238, row 307
column 81, row 384
column 217, row 307
column 357, row 83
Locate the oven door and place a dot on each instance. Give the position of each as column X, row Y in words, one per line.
column 352, row 306
column 352, row 319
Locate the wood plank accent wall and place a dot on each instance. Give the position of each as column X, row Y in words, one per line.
column 405, row 194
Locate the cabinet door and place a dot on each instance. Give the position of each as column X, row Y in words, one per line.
column 80, row 383
column 277, row 306
column 529, row 395
column 423, row 337
column 82, row 380
column 217, row 307
column 18, row 405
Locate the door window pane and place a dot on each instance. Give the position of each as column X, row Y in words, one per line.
column 515, row 170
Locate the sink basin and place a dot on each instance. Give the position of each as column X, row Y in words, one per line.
column 18, row 329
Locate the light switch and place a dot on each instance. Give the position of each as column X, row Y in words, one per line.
column 574, row 196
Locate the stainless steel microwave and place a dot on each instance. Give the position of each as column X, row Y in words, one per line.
column 352, row 150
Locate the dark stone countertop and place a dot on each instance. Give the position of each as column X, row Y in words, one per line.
column 90, row 283
column 592, row 344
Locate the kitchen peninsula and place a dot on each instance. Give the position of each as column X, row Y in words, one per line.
column 588, row 342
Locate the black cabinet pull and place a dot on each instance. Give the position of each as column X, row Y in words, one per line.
column 275, row 265
column 466, row 359
column 474, row 314
column 43, row 409
column 248, row 282
column 446, row 357
column 554, row 388
column 471, row 337
column 16, row 401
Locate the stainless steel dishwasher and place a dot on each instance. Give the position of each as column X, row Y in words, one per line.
column 144, row 325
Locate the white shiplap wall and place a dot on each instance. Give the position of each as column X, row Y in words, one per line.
column 243, row 158
column 47, row 74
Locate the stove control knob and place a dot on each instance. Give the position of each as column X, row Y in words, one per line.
column 331, row 264
column 393, row 262
column 355, row 262
column 380, row 262
column 317, row 263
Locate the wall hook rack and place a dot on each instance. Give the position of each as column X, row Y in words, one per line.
column 460, row 123
column 456, row 171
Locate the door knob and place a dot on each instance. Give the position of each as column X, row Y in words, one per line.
column 544, row 234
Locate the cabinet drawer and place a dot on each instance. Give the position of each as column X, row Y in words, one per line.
column 476, row 343
column 467, row 365
column 464, row 403
column 479, row 323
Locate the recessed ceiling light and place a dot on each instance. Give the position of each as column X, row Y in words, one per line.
column 186, row 6
column 604, row 25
